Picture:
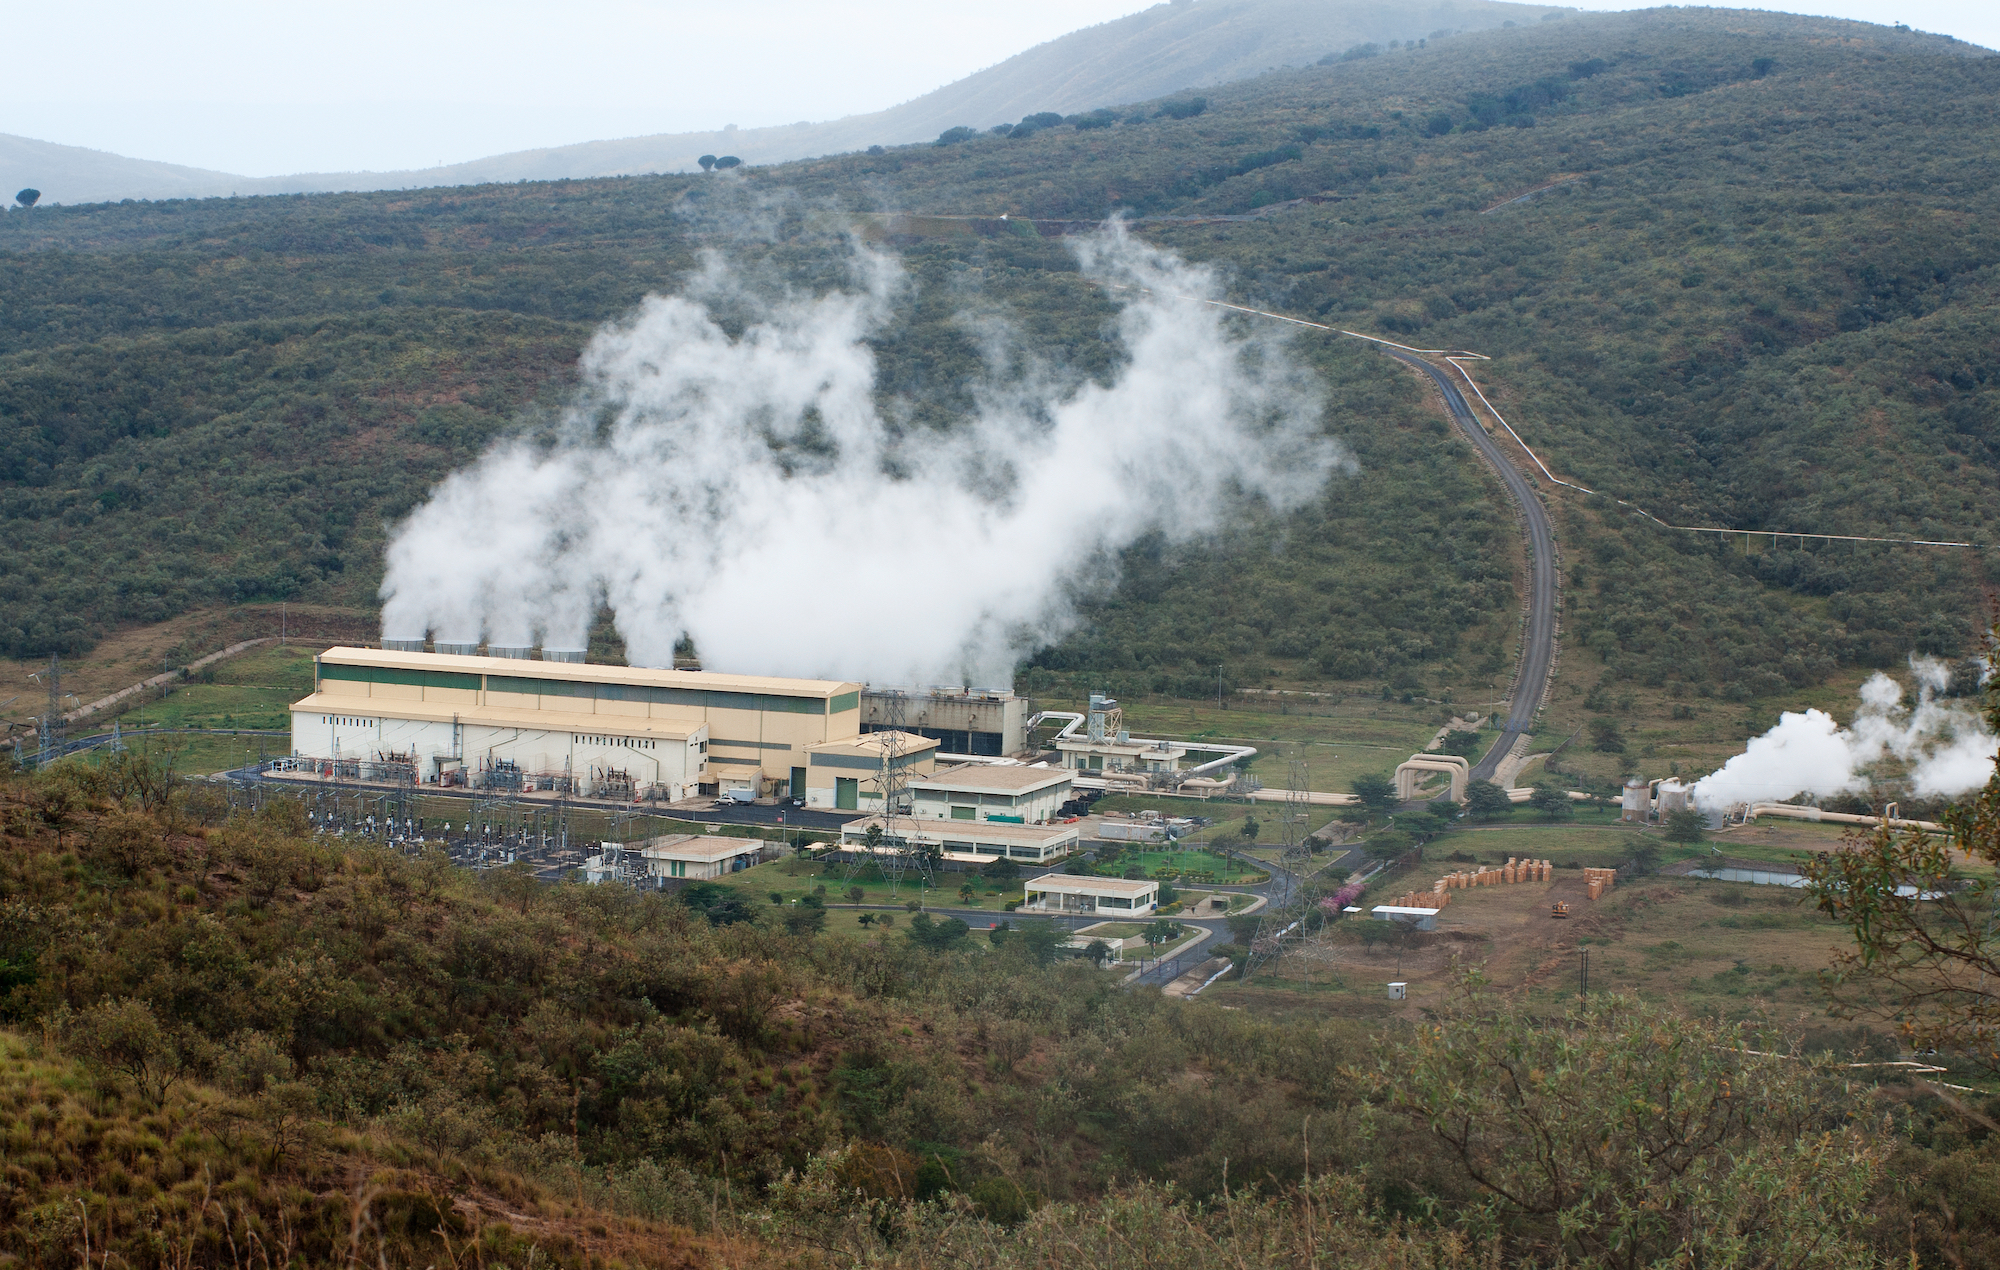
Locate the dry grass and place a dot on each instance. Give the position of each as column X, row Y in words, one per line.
column 1723, row 947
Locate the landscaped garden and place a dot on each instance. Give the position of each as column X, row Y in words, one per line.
column 1190, row 866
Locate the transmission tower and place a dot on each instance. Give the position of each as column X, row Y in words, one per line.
column 897, row 855
column 1281, row 923
column 50, row 732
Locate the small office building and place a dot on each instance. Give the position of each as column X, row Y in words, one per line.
column 991, row 791
column 1122, row 754
column 1113, row 897
column 969, row 844
column 697, row 856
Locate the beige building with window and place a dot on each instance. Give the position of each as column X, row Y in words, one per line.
column 1001, row 792
column 698, row 856
column 1122, row 755
column 1113, row 897
column 971, row 842
column 608, row 730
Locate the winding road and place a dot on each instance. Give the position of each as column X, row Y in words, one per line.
column 1538, row 643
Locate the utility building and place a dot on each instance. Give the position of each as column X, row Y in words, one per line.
column 846, row 775
column 597, row 731
column 991, row 791
column 978, row 721
column 971, row 844
column 1060, row 893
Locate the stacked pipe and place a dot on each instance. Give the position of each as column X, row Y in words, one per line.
column 1599, row 881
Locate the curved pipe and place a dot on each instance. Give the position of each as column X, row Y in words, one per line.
column 1075, row 722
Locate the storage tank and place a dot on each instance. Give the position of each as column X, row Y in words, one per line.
column 1635, row 803
column 562, row 654
column 404, row 645
column 459, row 649
column 1675, row 796
column 517, row 651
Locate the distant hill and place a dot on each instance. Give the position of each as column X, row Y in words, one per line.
column 75, row 174
column 1165, row 49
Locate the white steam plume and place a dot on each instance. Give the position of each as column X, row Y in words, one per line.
column 740, row 488
column 1945, row 746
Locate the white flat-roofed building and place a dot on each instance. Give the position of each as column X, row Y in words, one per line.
column 991, row 791
column 615, row 731
column 1119, row 897
column 974, row 842
column 1420, row 918
column 696, row 856
column 1124, row 754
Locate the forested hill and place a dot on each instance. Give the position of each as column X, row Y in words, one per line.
column 1760, row 291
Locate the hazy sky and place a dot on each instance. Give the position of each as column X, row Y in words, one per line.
column 264, row 89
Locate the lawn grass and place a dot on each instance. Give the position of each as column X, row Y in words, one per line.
column 1338, row 738
column 254, row 689
column 1225, row 869
column 795, row 878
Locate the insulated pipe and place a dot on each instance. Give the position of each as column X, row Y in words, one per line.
column 1075, row 722
column 1792, row 811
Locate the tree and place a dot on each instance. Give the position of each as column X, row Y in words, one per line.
column 1484, row 800
column 952, row 136
column 1376, row 791
column 1042, row 940
column 1550, row 801
column 936, row 936
column 865, row 920
column 1249, row 829
column 1642, row 854
column 722, row 905
column 855, row 895
column 1685, row 826
column 28, row 197
column 805, row 919
column 1625, row 1134
column 1604, row 736
column 1160, row 931
column 707, row 162
column 1460, row 742
column 1388, row 844
column 1924, row 953
column 1000, row 870
column 728, row 161
column 968, row 891
column 124, row 1037
column 1098, row 952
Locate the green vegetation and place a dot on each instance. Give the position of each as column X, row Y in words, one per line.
column 1760, row 234
column 354, row 1039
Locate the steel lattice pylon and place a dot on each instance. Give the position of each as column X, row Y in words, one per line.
column 1281, row 916
column 896, row 857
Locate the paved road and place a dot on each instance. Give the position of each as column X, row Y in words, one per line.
column 1539, row 646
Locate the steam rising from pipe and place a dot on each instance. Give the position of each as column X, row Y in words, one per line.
column 1946, row 747
column 746, row 489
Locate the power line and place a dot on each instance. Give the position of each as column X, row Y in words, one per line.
column 1456, row 359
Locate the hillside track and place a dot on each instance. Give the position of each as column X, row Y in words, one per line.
column 1538, row 636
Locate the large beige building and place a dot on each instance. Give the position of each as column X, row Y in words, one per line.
column 608, row 730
